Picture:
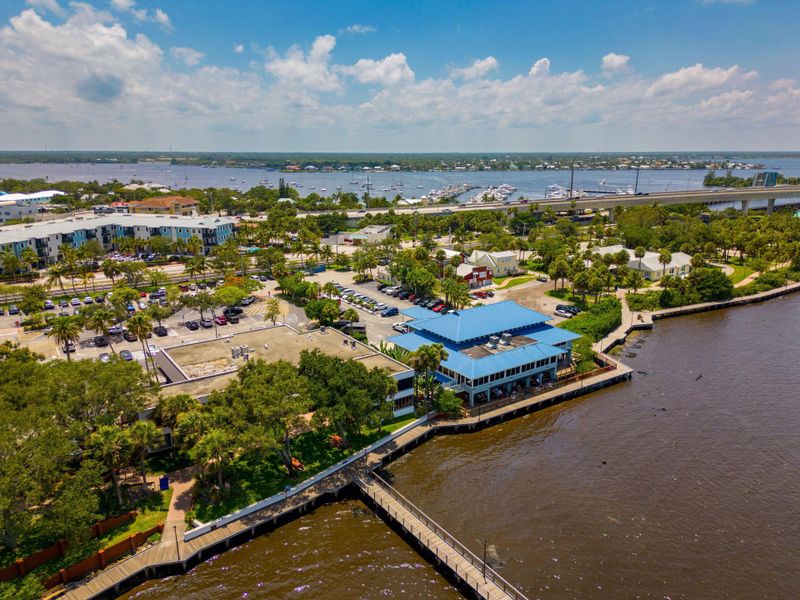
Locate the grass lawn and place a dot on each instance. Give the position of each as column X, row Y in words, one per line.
column 253, row 478
column 567, row 295
column 739, row 272
column 518, row 281
column 152, row 510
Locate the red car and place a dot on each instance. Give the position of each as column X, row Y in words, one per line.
column 220, row 320
column 438, row 308
column 481, row 294
column 411, row 297
column 143, row 294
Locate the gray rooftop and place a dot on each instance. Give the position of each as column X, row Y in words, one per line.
column 22, row 233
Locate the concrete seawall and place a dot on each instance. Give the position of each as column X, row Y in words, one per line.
column 165, row 560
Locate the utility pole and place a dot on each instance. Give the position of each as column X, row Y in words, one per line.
column 484, row 560
column 571, row 179
column 178, row 546
column 636, row 185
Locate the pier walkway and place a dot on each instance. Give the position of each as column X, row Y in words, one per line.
column 445, row 549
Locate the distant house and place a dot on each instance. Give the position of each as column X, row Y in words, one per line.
column 165, row 205
column 473, row 276
column 649, row 267
column 370, row 235
column 501, row 263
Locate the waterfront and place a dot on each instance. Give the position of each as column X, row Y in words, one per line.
column 679, row 484
column 531, row 184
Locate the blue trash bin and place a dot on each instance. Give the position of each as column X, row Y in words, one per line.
column 163, row 483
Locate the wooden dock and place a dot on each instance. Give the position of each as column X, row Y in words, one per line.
column 451, row 554
column 176, row 553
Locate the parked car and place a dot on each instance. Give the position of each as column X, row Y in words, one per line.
column 192, row 325
column 542, row 278
column 131, row 308
column 403, row 295
column 142, row 305
column 233, row 319
column 401, row 327
column 564, row 314
column 232, row 310
column 160, row 330
column 68, row 348
column 392, row 311
column 206, row 323
column 570, row 308
column 248, row 301
column 75, row 302
column 48, row 305
column 115, row 330
column 152, row 349
column 100, row 298
column 126, row 355
column 438, row 308
column 100, row 341
column 480, row 294
column 382, row 286
column 129, row 336
column 13, row 310
column 104, row 357
column 490, row 293
column 88, row 300
column 63, row 303
column 220, row 320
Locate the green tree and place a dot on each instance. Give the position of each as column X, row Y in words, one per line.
column 141, row 326
column 272, row 310
column 11, row 262
column 111, row 446
column 426, row 360
column 215, row 449
column 65, row 330
column 101, row 320
column 144, row 436
column 664, row 257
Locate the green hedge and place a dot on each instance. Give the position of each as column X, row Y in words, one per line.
column 598, row 320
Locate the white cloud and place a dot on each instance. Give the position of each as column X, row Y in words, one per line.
column 310, row 70
column 357, row 29
column 50, row 5
column 477, row 69
column 238, row 48
column 190, row 56
column 90, row 81
column 691, row 80
column 156, row 15
column 540, row 67
column 614, row 63
column 392, row 70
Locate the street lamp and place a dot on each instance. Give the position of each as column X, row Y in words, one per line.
column 177, row 545
column 484, row 560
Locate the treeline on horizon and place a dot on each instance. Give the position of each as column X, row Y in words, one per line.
column 408, row 161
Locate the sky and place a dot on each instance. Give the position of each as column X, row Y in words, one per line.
column 410, row 76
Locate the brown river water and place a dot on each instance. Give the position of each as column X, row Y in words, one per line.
column 683, row 483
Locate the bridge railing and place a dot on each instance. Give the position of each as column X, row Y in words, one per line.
column 441, row 532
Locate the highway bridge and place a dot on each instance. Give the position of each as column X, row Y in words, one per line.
column 739, row 196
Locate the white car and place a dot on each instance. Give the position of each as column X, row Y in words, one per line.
column 142, row 305
column 401, row 327
column 152, row 349
column 563, row 314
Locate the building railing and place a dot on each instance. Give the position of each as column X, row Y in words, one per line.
column 487, row 572
column 279, row 497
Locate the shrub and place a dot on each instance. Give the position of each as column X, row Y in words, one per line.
column 598, row 321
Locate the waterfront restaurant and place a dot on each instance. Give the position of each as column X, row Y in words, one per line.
column 493, row 350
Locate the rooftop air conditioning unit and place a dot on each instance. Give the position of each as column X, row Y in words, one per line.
column 236, row 352
column 505, row 339
column 492, row 343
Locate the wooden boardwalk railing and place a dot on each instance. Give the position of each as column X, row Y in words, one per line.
column 473, row 571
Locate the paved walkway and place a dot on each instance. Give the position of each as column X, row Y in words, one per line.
column 172, row 551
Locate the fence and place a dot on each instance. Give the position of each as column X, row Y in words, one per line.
column 59, row 549
column 100, row 559
column 487, row 571
column 274, row 499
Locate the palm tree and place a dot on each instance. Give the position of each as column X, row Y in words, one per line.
column 141, row 326
column 11, row 262
column 144, row 436
column 101, row 320
column 111, row 269
column 639, row 253
column 330, row 290
column 112, row 447
column 195, row 266
column 426, row 360
column 664, row 257
column 65, row 330
column 28, row 257
column 215, row 448
column 194, row 245
column 55, row 276
column 326, row 253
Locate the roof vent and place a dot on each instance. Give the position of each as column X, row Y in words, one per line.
column 505, row 339
column 492, row 343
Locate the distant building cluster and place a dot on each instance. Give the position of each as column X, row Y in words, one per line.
column 649, row 266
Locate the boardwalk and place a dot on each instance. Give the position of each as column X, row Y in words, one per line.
column 454, row 556
column 173, row 555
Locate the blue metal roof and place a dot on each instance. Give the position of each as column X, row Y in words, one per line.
column 481, row 321
column 419, row 312
column 551, row 335
column 473, row 368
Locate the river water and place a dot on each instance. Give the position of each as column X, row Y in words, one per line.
column 682, row 483
column 531, row 184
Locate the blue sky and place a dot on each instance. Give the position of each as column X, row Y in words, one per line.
column 399, row 76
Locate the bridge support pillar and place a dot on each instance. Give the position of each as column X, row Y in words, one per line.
column 770, row 206
column 745, row 205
